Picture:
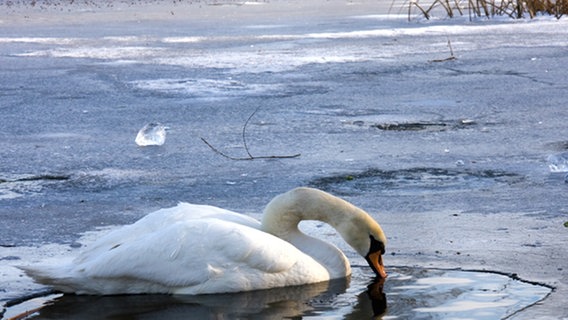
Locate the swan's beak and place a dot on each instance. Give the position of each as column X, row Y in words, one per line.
column 375, row 260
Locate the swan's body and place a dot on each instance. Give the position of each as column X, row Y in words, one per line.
column 197, row 249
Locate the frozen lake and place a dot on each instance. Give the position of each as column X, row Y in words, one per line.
column 453, row 156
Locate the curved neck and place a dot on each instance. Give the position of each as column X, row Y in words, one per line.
column 283, row 214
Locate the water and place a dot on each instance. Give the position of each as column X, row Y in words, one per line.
column 408, row 293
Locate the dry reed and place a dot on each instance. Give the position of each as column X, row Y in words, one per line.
column 516, row 9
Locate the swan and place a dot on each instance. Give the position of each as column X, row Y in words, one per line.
column 200, row 249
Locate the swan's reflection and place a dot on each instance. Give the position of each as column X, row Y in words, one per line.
column 377, row 297
column 370, row 304
column 291, row 302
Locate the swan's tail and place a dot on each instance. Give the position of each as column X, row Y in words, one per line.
column 56, row 276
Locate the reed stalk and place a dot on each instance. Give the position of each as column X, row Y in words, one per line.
column 516, row 9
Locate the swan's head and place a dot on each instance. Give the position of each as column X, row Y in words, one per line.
column 375, row 257
column 366, row 236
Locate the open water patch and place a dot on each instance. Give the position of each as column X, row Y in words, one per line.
column 17, row 185
column 424, row 125
column 20, row 185
column 393, row 120
column 415, row 180
column 557, row 145
column 408, row 293
column 431, row 125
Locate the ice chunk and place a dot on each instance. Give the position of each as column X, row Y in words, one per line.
column 558, row 162
column 152, row 134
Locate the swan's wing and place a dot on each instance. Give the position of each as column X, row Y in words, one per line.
column 192, row 252
column 159, row 220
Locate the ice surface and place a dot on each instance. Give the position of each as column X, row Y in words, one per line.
column 282, row 51
column 152, row 134
column 208, row 88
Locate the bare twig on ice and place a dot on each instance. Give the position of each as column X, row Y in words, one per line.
column 451, row 57
column 250, row 156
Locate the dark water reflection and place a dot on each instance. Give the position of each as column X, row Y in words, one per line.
column 266, row 304
column 408, row 293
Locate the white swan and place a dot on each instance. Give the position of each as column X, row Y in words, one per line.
column 198, row 249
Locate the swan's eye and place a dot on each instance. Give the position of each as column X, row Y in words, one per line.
column 376, row 245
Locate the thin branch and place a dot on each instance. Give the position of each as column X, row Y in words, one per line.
column 451, row 57
column 221, row 153
column 245, row 129
column 450, row 46
column 250, row 156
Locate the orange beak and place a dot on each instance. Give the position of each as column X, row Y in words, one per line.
column 375, row 260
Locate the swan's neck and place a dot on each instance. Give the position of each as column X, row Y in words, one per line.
column 283, row 214
column 326, row 254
